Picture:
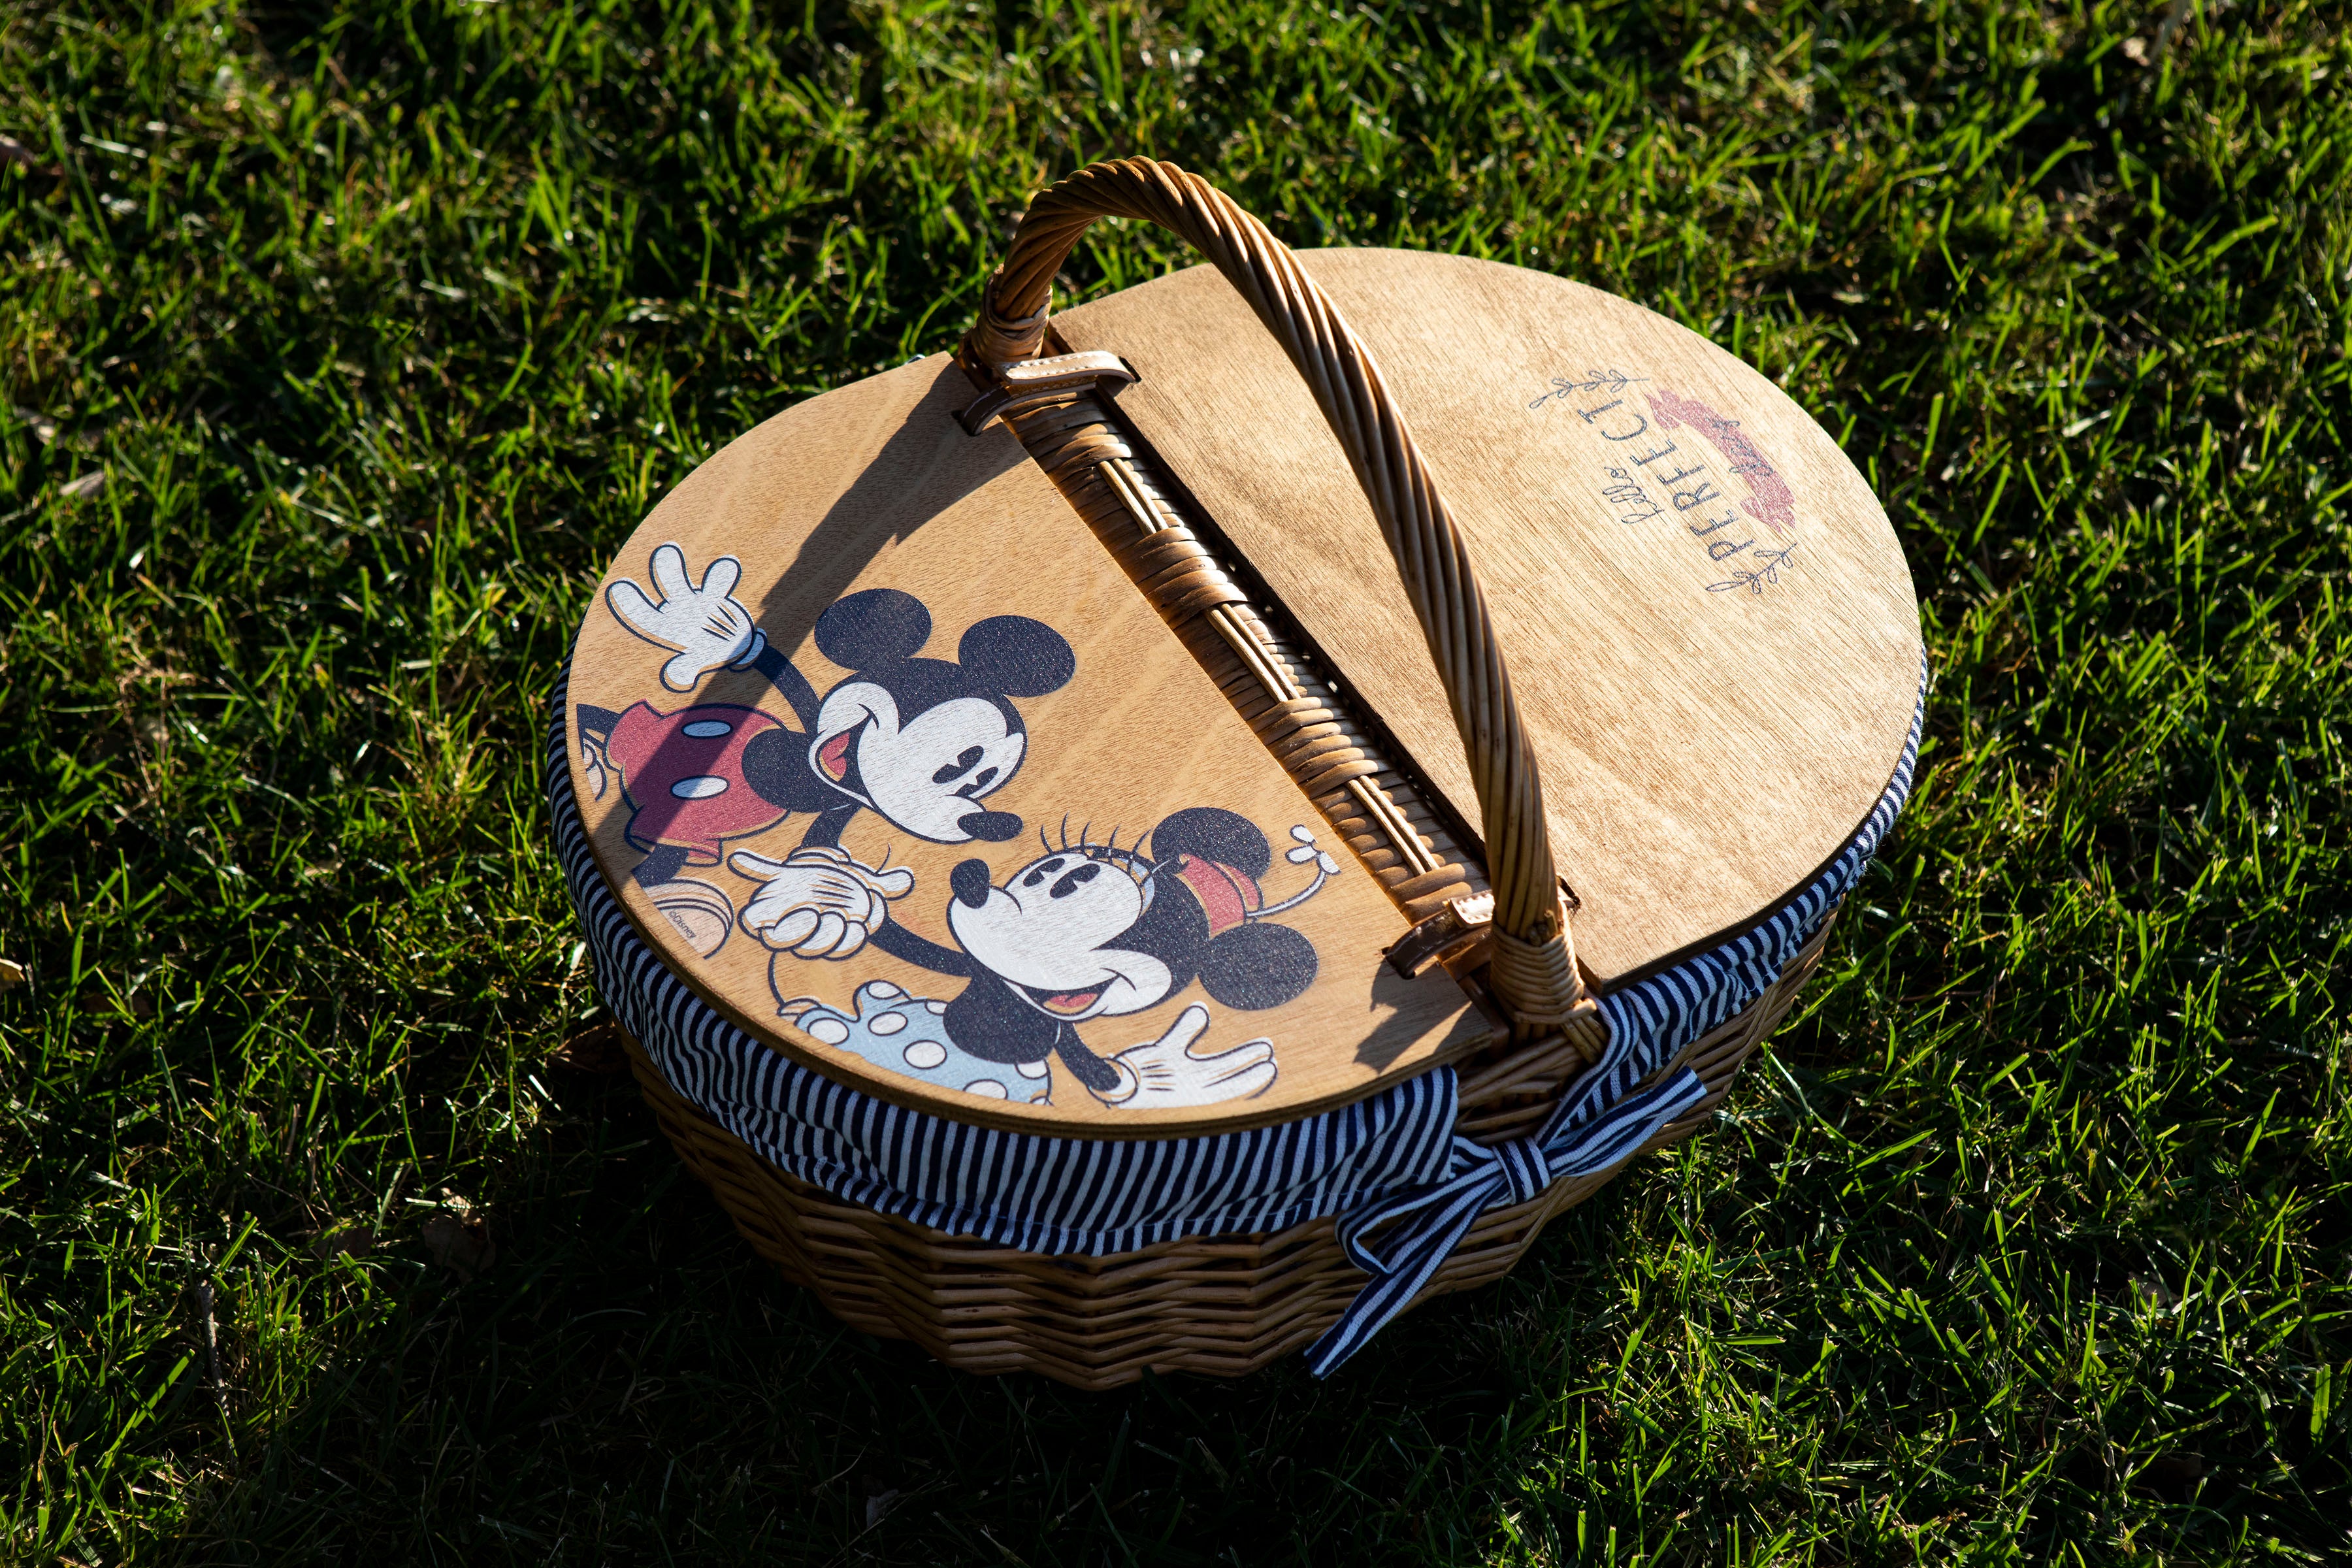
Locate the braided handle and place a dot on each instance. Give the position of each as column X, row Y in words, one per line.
column 1534, row 973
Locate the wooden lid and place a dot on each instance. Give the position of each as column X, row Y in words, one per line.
column 1709, row 621
column 954, row 729
column 895, row 765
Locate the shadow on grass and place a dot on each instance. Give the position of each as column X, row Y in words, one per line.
column 629, row 1375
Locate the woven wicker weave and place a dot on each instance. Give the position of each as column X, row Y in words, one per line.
column 1533, row 971
column 1219, row 1305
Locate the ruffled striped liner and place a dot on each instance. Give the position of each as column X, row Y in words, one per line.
column 1390, row 1156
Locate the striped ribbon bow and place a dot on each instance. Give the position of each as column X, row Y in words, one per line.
column 1602, row 1119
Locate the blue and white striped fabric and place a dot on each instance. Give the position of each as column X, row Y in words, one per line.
column 1606, row 1114
column 1391, row 1161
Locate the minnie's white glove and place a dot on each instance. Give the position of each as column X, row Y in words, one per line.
column 817, row 902
column 706, row 627
column 1166, row 1072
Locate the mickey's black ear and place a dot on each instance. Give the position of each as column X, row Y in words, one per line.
column 1017, row 656
column 1215, row 834
column 880, row 625
column 1254, row 967
column 775, row 764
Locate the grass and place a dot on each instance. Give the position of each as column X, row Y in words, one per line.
column 341, row 351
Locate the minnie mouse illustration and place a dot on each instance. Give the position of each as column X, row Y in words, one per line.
column 919, row 741
column 1091, row 931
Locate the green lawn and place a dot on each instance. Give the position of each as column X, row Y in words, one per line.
column 340, row 357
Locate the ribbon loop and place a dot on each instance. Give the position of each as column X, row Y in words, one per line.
column 1525, row 1169
column 1603, row 1119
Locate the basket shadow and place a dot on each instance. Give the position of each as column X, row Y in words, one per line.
column 631, row 1376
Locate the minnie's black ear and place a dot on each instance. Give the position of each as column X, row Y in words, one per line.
column 1213, row 833
column 1017, row 656
column 878, row 626
column 1254, row 967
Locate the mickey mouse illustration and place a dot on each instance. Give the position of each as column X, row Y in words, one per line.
column 1096, row 930
column 919, row 741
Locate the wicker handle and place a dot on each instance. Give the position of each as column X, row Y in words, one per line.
column 1534, row 970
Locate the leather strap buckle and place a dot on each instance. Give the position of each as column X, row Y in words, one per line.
column 1452, row 929
column 1018, row 384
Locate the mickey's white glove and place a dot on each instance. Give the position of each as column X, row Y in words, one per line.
column 706, row 627
column 1166, row 1072
column 817, row 902
column 591, row 762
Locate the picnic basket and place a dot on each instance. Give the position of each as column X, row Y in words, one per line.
column 1174, row 833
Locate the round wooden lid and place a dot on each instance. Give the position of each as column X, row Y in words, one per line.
column 1707, row 617
column 892, row 763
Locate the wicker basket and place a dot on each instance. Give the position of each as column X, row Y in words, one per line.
column 1553, row 1077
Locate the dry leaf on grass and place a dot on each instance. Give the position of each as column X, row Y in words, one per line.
column 459, row 1239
